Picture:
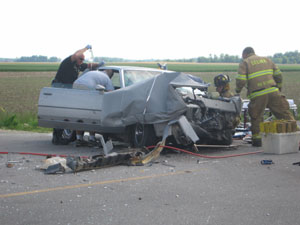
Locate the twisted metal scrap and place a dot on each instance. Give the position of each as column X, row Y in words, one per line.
column 137, row 158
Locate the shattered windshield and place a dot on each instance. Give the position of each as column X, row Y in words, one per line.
column 134, row 76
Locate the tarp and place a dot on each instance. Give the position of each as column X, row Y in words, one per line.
column 154, row 100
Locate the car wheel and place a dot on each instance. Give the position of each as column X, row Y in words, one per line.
column 63, row 136
column 69, row 135
column 143, row 135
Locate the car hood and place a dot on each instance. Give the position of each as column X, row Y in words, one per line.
column 154, row 100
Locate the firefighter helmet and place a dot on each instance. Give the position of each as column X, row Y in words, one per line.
column 221, row 80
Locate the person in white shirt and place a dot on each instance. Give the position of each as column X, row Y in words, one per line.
column 89, row 81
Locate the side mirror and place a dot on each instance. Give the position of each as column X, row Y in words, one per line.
column 100, row 87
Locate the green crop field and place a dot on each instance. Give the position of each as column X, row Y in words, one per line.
column 19, row 91
column 180, row 67
column 23, row 67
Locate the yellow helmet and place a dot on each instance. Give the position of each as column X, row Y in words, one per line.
column 221, row 80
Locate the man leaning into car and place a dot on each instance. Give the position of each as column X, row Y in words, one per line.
column 89, row 81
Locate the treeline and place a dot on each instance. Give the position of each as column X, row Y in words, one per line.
column 287, row 58
column 37, row 58
column 109, row 59
column 223, row 58
column 34, row 58
column 279, row 58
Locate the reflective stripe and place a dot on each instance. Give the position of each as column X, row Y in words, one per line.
column 256, row 136
column 260, row 73
column 262, row 92
column 241, row 77
column 277, row 72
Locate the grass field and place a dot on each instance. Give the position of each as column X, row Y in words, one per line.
column 180, row 67
column 19, row 91
column 25, row 67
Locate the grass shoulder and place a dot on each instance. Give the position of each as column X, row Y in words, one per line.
column 27, row 122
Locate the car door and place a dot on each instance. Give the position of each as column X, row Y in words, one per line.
column 70, row 108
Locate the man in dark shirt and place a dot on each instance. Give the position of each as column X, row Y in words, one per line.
column 70, row 67
column 67, row 73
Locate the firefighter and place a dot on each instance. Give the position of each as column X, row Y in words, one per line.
column 223, row 88
column 263, row 80
column 222, row 85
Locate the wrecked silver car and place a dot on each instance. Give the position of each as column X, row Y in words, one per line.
column 145, row 101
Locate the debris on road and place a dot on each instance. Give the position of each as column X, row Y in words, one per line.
column 14, row 161
column 53, row 165
column 98, row 161
column 296, row 163
column 52, row 161
column 136, row 158
column 130, row 156
column 266, row 162
column 9, row 165
column 165, row 163
column 56, row 168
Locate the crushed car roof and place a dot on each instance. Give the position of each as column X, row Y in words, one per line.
column 154, row 100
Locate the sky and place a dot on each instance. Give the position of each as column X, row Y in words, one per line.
column 148, row 29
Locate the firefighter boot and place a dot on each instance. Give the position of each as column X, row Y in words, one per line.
column 256, row 142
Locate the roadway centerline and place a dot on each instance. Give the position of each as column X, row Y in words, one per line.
column 96, row 183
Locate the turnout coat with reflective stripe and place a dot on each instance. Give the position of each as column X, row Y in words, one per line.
column 260, row 74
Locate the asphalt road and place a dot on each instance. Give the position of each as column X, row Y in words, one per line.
column 176, row 189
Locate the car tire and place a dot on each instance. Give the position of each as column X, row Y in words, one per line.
column 143, row 135
column 63, row 136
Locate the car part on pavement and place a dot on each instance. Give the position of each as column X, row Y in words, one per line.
column 136, row 158
column 266, row 162
column 296, row 163
column 56, row 168
column 99, row 161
